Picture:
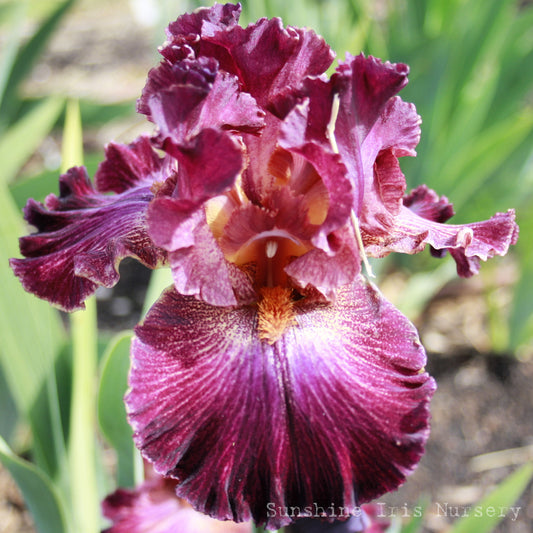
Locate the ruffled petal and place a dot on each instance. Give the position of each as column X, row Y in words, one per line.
column 366, row 85
column 328, row 166
column 177, row 223
column 202, row 270
column 427, row 204
column 208, row 167
column 416, row 226
column 326, row 273
column 371, row 120
column 219, row 17
column 336, row 410
column 185, row 97
column 154, row 507
column 188, row 28
column 82, row 237
column 134, row 165
column 268, row 59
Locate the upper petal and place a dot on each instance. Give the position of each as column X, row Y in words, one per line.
column 240, row 422
column 186, row 96
column 134, row 165
column 366, row 84
column 267, row 58
column 81, row 237
column 369, row 119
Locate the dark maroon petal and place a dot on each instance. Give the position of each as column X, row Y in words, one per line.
column 467, row 243
column 383, row 195
column 395, row 134
column 82, row 237
column 327, row 272
column 184, row 97
column 218, row 17
column 208, row 166
column 328, row 166
column 369, row 120
column 154, row 507
column 366, row 85
column 134, row 165
column 189, row 78
column 260, row 149
column 267, row 58
column 202, row 270
column 336, row 410
column 270, row 59
column 426, row 203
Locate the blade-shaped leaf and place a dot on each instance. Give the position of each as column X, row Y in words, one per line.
column 13, row 16
column 82, row 442
column 31, row 331
column 503, row 496
column 39, row 493
column 21, row 140
column 111, row 410
column 26, row 58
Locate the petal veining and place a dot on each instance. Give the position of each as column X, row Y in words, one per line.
column 240, row 422
column 82, row 236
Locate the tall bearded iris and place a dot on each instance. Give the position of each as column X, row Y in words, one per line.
column 271, row 374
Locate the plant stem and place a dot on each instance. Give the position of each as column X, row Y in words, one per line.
column 83, row 486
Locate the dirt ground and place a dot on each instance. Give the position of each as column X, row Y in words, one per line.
column 484, row 402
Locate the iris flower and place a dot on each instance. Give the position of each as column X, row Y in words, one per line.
column 272, row 374
column 154, row 507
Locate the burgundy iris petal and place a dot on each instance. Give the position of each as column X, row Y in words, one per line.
column 82, row 235
column 267, row 58
column 129, row 166
column 153, row 507
column 184, row 97
column 366, row 87
column 336, row 410
column 418, row 224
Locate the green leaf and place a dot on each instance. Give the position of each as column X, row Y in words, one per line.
column 504, row 495
column 9, row 414
column 21, row 140
column 31, row 331
column 72, row 146
column 82, row 442
column 25, row 60
column 14, row 18
column 160, row 279
column 82, row 449
column 111, row 409
column 39, row 493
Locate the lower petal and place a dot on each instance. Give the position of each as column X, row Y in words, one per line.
column 335, row 411
column 154, row 507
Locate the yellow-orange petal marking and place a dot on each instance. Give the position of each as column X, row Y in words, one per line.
column 276, row 313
